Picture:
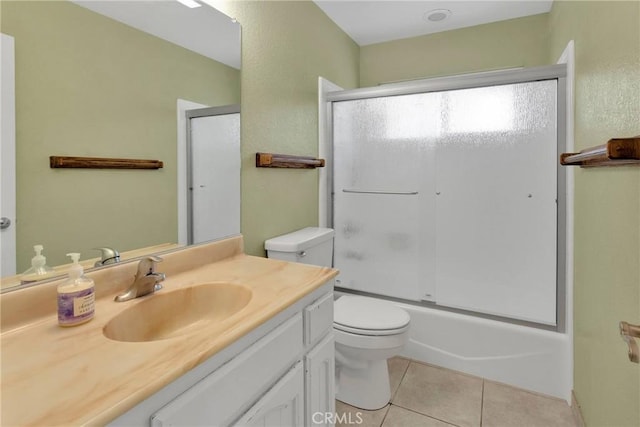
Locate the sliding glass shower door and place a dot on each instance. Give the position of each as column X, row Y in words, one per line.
column 384, row 212
column 450, row 197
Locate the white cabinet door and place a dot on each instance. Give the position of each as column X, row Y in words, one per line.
column 318, row 319
column 320, row 383
column 223, row 395
column 281, row 406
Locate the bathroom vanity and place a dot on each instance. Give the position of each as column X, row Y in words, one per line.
column 267, row 359
column 279, row 374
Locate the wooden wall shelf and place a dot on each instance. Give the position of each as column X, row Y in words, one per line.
column 616, row 152
column 271, row 160
column 102, row 163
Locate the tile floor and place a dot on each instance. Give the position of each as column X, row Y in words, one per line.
column 425, row 395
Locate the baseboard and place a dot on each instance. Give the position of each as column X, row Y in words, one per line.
column 575, row 409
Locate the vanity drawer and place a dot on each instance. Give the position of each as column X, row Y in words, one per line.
column 223, row 395
column 318, row 319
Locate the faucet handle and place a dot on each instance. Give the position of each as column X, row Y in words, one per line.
column 147, row 265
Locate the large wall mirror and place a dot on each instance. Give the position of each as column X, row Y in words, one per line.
column 109, row 79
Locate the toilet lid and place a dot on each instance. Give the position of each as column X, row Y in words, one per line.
column 368, row 314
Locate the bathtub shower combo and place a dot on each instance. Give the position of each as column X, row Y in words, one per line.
column 447, row 199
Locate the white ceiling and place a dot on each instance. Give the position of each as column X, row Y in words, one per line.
column 209, row 32
column 204, row 29
column 375, row 21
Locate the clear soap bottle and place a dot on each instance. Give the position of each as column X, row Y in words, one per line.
column 76, row 296
column 39, row 269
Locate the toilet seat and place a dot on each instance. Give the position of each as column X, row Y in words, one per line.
column 370, row 332
column 369, row 316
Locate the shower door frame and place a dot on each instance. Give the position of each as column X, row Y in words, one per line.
column 190, row 115
column 467, row 81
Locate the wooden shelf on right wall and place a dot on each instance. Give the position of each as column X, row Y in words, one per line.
column 616, row 152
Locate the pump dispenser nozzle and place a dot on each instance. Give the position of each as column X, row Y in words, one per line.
column 75, row 257
column 39, row 260
column 76, row 270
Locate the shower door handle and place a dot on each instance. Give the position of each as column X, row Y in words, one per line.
column 397, row 193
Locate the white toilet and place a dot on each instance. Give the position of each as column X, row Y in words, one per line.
column 368, row 331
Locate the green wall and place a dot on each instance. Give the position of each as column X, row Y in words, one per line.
column 90, row 86
column 286, row 46
column 607, row 205
column 518, row 42
column 607, row 200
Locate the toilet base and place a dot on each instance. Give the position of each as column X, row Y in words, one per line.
column 367, row 387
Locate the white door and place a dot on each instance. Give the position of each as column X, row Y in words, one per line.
column 215, row 176
column 7, row 159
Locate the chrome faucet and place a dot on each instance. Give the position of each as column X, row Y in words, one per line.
column 146, row 282
column 109, row 256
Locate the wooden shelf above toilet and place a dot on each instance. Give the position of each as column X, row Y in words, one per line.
column 272, row 160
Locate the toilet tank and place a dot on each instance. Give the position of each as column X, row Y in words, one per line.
column 311, row 245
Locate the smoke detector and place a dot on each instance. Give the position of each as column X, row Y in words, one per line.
column 437, row 15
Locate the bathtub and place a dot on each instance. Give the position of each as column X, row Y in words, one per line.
column 522, row 356
column 529, row 358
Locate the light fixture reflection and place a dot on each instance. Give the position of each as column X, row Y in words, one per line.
column 190, row 3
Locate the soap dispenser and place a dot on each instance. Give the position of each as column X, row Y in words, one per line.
column 39, row 269
column 76, row 297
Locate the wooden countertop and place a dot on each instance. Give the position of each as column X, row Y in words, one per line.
column 77, row 376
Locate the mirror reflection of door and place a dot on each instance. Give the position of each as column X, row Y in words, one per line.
column 213, row 156
column 7, row 159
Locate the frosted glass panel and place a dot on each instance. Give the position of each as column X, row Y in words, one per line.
column 215, row 168
column 384, row 241
column 496, row 208
column 479, row 110
column 450, row 197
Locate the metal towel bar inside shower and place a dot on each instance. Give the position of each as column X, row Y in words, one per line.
column 397, row 193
